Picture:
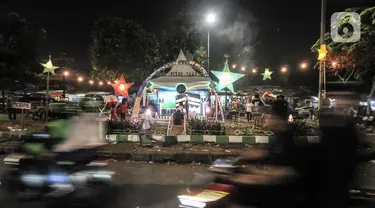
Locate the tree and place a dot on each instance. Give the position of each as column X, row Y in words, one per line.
column 63, row 61
column 181, row 33
column 354, row 60
column 120, row 46
column 18, row 43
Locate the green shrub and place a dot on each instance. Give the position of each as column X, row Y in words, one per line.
column 302, row 128
column 128, row 126
column 205, row 127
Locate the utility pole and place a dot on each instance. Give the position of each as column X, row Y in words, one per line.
column 322, row 56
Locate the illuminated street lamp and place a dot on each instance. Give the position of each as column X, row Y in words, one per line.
column 65, row 74
column 210, row 19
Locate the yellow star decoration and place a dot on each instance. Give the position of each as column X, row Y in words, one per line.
column 267, row 74
column 49, row 67
column 322, row 52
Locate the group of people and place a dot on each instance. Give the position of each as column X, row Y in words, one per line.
column 119, row 111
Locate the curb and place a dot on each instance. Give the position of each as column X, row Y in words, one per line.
column 163, row 157
column 200, row 139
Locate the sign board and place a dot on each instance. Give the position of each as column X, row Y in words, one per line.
column 21, row 105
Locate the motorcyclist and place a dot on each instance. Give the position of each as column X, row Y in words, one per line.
column 268, row 188
column 338, row 156
column 74, row 140
column 55, row 132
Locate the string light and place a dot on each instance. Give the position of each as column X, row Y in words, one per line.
column 334, row 63
column 303, row 65
column 66, row 73
column 80, row 79
column 91, row 82
column 108, row 82
column 100, row 83
column 254, row 71
column 243, row 68
column 284, row 69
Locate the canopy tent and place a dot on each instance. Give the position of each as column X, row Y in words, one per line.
column 181, row 74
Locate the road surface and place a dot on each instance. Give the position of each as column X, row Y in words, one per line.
column 142, row 185
column 147, row 185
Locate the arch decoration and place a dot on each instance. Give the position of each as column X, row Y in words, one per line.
column 195, row 65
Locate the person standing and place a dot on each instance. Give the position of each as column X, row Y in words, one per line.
column 235, row 108
column 249, row 105
column 280, row 107
column 123, row 109
column 11, row 110
column 255, row 111
column 145, row 131
column 205, row 107
column 114, row 112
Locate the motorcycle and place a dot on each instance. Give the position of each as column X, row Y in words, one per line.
column 67, row 172
column 30, row 178
column 223, row 186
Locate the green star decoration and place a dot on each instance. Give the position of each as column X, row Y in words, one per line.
column 49, row 67
column 267, row 74
column 227, row 78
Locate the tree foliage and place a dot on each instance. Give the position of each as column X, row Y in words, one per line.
column 120, row 46
column 181, row 33
column 354, row 60
column 18, row 43
column 63, row 61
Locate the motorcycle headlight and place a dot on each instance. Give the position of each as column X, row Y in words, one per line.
column 58, row 178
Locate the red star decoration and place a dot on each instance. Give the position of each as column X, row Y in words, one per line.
column 121, row 87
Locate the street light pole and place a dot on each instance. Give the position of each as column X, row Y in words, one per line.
column 64, row 87
column 208, row 50
column 210, row 19
column 322, row 77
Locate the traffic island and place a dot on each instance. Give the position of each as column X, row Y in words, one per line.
column 201, row 139
column 181, row 153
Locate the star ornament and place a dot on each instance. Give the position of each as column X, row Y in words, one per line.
column 121, row 87
column 227, row 78
column 49, row 67
column 267, row 74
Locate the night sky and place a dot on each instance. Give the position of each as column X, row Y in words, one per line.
column 286, row 29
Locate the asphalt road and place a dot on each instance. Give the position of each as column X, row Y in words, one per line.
column 145, row 185
column 141, row 185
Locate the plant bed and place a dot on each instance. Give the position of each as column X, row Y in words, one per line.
column 205, row 127
column 303, row 128
column 126, row 127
